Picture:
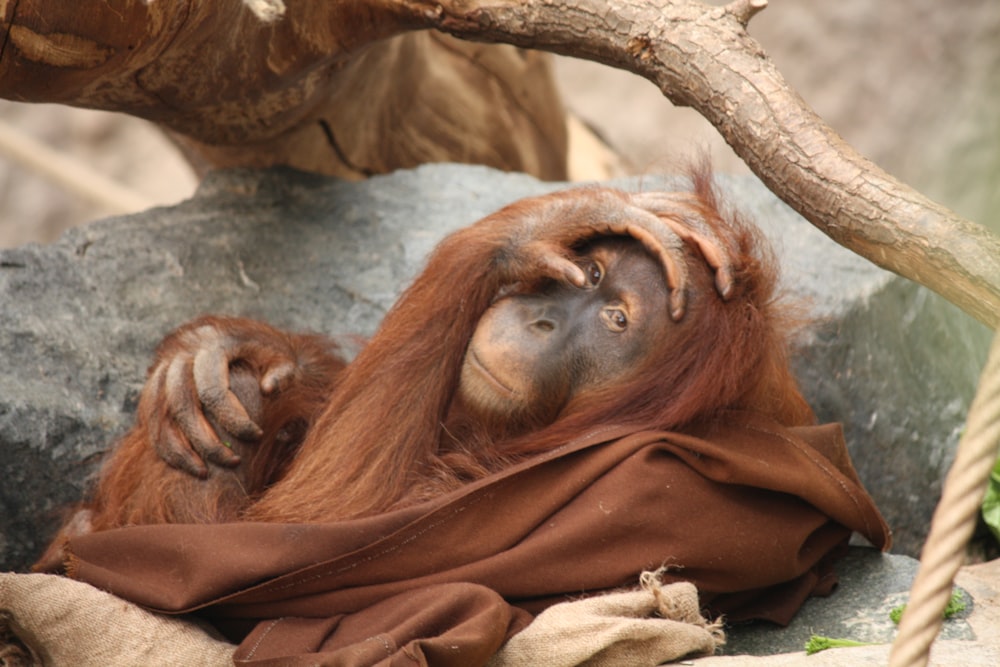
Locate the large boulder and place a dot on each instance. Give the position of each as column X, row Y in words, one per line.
column 895, row 363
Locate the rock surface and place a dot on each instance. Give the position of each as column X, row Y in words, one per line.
column 894, row 362
column 872, row 585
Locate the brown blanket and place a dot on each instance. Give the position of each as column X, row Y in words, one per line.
column 752, row 513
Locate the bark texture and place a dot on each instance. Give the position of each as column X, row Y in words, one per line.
column 344, row 88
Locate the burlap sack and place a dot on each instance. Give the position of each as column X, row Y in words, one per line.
column 59, row 621
column 64, row 622
column 644, row 627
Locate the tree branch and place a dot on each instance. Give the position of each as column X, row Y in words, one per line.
column 744, row 10
column 258, row 82
column 702, row 56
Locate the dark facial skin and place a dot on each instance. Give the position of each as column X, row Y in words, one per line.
column 531, row 353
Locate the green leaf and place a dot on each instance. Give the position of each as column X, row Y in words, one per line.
column 954, row 606
column 819, row 643
column 991, row 503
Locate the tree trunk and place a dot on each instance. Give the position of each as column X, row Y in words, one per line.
column 346, row 88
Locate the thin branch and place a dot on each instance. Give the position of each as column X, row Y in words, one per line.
column 744, row 10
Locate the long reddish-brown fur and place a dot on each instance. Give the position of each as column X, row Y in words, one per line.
column 137, row 487
column 381, row 433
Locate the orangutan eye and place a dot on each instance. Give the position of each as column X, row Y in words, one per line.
column 616, row 319
column 594, row 273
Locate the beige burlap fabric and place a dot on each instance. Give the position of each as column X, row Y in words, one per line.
column 644, row 627
column 64, row 622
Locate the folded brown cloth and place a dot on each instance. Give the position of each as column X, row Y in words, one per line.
column 750, row 512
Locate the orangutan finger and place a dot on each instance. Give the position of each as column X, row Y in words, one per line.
column 174, row 449
column 665, row 245
column 184, row 408
column 714, row 257
column 552, row 262
column 211, row 378
column 220, row 453
column 674, row 210
column 278, row 377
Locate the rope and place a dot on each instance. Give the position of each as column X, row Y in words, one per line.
column 953, row 523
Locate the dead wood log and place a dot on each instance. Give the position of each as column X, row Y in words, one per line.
column 346, row 88
column 217, row 72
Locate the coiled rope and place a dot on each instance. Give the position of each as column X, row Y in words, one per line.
column 953, row 522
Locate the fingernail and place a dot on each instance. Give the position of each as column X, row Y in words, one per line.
column 676, row 305
column 725, row 285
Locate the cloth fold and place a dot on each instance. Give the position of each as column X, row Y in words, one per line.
column 751, row 513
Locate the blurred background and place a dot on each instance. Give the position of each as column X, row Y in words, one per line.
column 912, row 84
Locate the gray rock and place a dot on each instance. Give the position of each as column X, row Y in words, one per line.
column 80, row 319
column 871, row 585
